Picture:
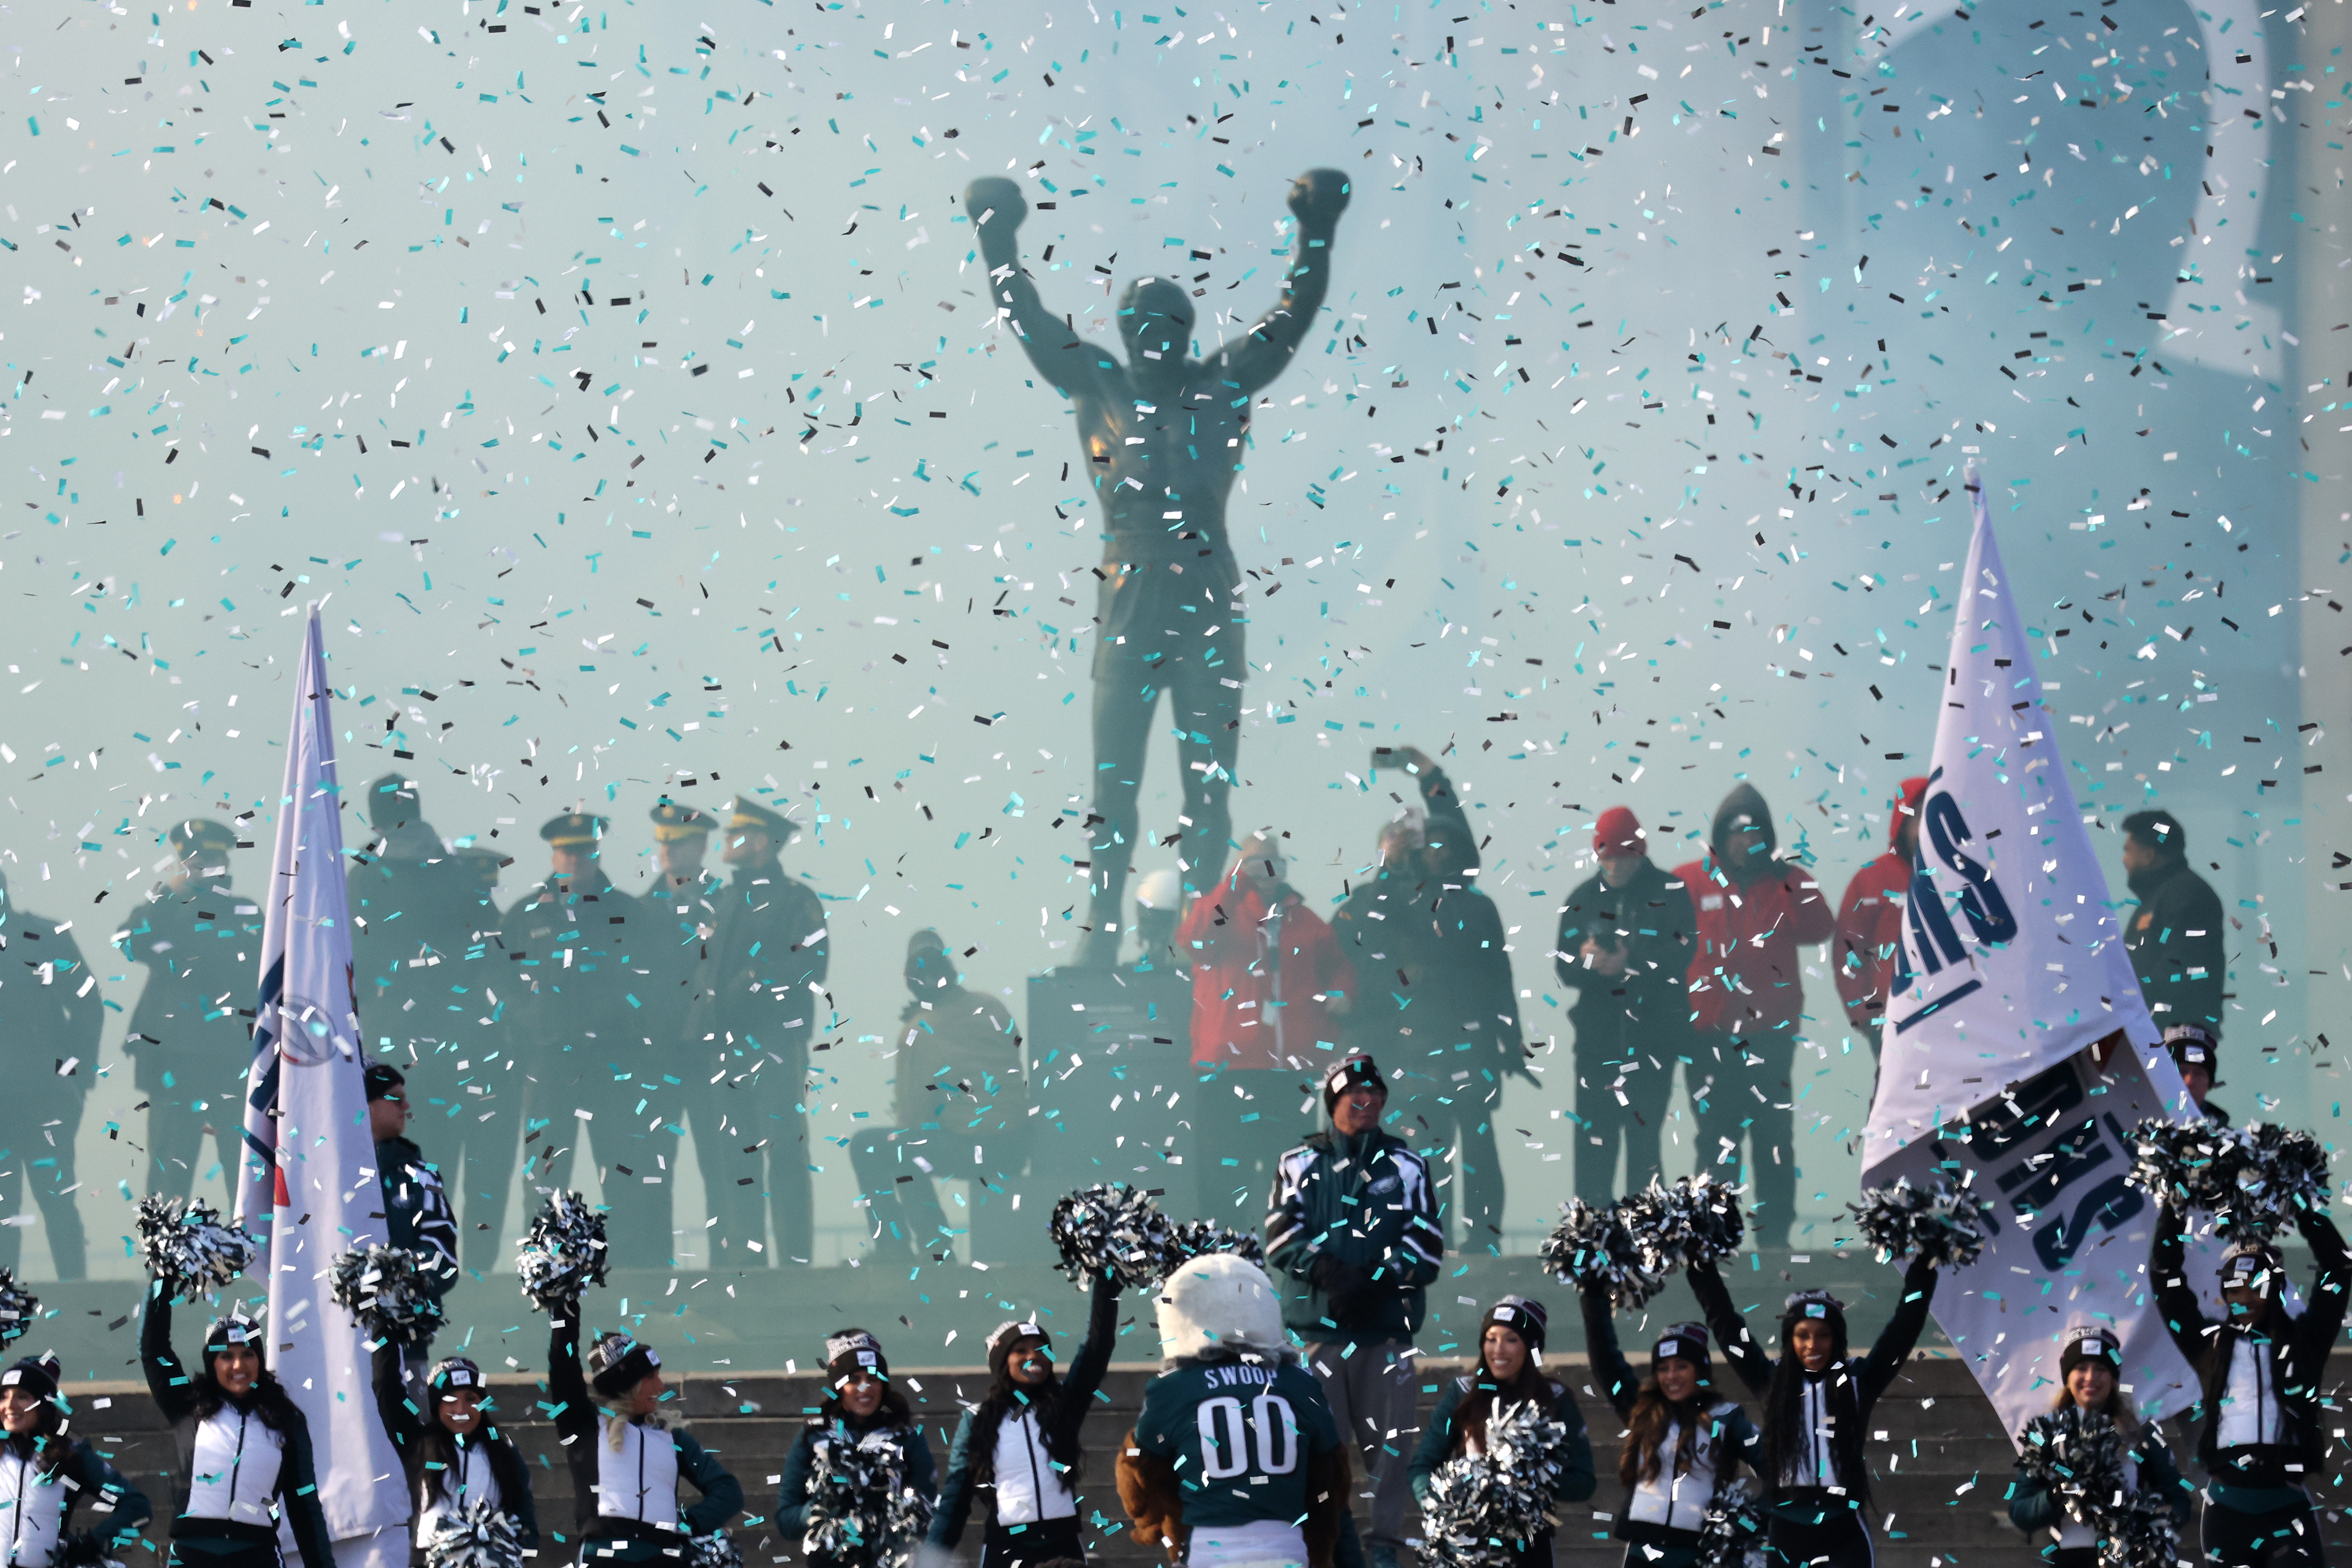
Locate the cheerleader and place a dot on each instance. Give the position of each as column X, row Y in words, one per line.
column 245, row 1448
column 625, row 1463
column 1509, row 1371
column 1817, row 1400
column 862, row 1409
column 44, row 1476
column 451, row 1452
column 1021, row 1443
column 2262, row 1437
column 1682, row 1445
column 2088, row 1369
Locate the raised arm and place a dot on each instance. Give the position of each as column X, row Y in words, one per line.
column 2176, row 1298
column 1093, row 1358
column 1730, row 1329
column 2323, row 1312
column 403, row 1422
column 996, row 208
column 1318, row 198
column 1610, row 1369
column 1901, row 1333
column 167, row 1380
column 569, row 1406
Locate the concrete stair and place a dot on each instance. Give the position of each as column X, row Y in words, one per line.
column 1941, row 1474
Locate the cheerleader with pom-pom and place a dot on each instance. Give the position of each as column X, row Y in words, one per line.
column 1817, row 1399
column 625, row 1463
column 1021, row 1445
column 860, row 1483
column 244, row 1447
column 1683, row 1443
column 1509, row 1372
column 2064, row 1509
column 45, row 1476
column 452, row 1453
column 2261, row 1434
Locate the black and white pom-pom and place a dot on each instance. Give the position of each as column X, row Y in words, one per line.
column 2141, row 1531
column 563, row 1254
column 1189, row 1238
column 19, row 1307
column 1938, row 1223
column 1482, row 1508
column 1696, row 1219
column 384, row 1290
column 2194, row 1163
column 186, row 1249
column 1595, row 1246
column 1115, row 1229
column 717, row 1550
column 2079, row 1456
column 1732, row 1535
column 2281, row 1176
column 477, row 1533
column 861, row 1512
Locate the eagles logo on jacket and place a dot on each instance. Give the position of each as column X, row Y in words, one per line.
column 1353, row 1224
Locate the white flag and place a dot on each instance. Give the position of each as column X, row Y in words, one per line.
column 308, row 1179
column 2018, row 1052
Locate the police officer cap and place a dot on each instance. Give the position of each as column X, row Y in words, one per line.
column 750, row 815
column 197, row 836
column 673, row 822
column 574, row 830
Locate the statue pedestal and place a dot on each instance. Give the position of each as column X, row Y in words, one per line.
column 1107, row 1049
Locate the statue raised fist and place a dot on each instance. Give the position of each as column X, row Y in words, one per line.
column 997, row 193
column 1317, row 197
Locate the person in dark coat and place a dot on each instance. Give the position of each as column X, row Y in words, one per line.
column 46, row 1474
column 51, row 1022
column 2090, row 1362
column 1509, row 1372
column 2176, row 939
column 758, row 991
column 626, row 1461
column 1684, row 1441
column 862, row 1409
column 1625, row 939
column 450, row 1451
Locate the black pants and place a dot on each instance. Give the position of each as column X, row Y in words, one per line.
column 2281, row 1538
column 1832, row 1537
column 1743, row 1096
column 1026, row 1546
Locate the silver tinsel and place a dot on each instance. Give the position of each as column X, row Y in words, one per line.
column 2254, row 1180
column 861, row 1512
column 1189, row 1238
column 19, row 1307
column 2141, row 1532
column 1694, row 1219
column 1939, row 1223
column 1483, row 1508
column 186, row 1248
column 2079, row 1456
column 474, row 1534
column 1120, row 1229
column 563, row 1254
column 384, row 1288
column 717, row 1550
column 1595, row 1246
column 1732, row 1535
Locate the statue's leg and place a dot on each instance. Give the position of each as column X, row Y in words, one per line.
column 1207, row 717
column 1126, row 689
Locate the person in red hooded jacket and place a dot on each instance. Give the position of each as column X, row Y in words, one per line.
column 1269, row 984
column 1870, row 923
column 1747, row 995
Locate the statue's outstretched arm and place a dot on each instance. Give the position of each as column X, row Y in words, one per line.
column 997, row 207
column 1318, row 198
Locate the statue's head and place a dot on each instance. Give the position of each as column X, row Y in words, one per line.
column 1155, row 317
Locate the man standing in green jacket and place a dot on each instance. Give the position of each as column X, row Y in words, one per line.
column 1353, row 1224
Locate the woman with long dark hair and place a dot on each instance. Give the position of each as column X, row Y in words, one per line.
column 1020, row 1444
column 1509, row 1372
column 44, row 1476
column 452, row 1453
column 862, row 1409
column 1682, row 1442
column 2088, row 1366
column 244, row 1447
column 626, row 1461
column 1817, row 1399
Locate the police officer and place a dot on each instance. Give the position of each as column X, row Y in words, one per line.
column 478, row 1143
column 190, row 1044
column 581, row 947
column 406, row 899
column 757, row 992
column 682, row 909
column 50, row 1023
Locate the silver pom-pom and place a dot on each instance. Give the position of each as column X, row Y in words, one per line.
column 717, row 1550
column 1482, row 1508
column 861, row 1512
column 2079, row 1456
column 474, row 1534
column 1191, row 1238
column 383, row 1288
column 1113, row 1229
column 563, row 1254
column 1732, row 1535
column 18, row 1308
column 2254, row 1180
column 2140, row 1532
column 184, row 1248
column 1694, row 1219
column 1938, row 1223
column 1595, row 1246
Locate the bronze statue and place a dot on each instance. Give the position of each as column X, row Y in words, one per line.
column 1162, row 435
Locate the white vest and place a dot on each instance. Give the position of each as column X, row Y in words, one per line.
column 469, row 1479
column 31, row 1509
column 1816, row 1464
column 1677, row 1503
column 638, row 1480
column 233, row 1473
column 2249, row 1398
column 1029, row 1490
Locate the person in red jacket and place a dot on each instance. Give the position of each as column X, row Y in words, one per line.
column 1747, row 995
column 1870, row 923
column 1269, row 984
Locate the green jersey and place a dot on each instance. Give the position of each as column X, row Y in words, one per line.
column 1240, row 1438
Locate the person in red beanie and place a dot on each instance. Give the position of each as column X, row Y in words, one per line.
column 1626, row 936
column 1870, row 923
column 1746, row 995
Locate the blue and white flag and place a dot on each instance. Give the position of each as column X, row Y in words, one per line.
column 2017, row 1054
column 308, row 1180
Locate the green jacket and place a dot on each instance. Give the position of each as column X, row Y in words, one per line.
column 1353, row 1224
